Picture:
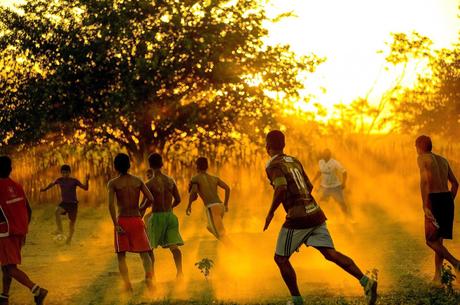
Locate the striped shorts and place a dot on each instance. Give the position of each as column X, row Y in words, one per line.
column 290, row 240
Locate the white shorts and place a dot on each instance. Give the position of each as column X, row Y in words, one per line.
column 290, row 240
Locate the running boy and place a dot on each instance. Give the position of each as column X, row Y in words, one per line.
column 206, row 185
column 162, row 224
column 305, row 221
column 438, row 202
column 69, row 202
column 130, row 235
column 15, row 216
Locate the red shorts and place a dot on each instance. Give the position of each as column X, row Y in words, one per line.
column 134, row 238
column 10, row 249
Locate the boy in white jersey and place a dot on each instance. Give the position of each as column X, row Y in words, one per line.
column 333, row 180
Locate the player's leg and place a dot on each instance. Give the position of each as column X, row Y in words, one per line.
column 6, row 280
column 438, row 260
column 288, row 274
column 147, row 264
column 347, row 264
column 337, row 194
column 152, row 258
column 123, row 268
column 58, row 213
column 72, row 212
column 343, row 261
column 443, row 253
column 177, row 255
column 17, row 274
column 288, row 241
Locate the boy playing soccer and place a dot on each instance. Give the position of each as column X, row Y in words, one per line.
column 305, row 221
column 15, row 216
column 206, row 185
column 130, row 235
column 438, row 202
column 69, row 202
column 162, row 224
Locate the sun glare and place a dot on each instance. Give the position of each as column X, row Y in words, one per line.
column 349, row 34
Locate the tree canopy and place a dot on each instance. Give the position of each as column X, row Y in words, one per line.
column 142, row 73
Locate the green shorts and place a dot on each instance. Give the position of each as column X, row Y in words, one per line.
column 163, row 230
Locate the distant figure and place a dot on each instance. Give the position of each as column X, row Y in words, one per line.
column 305, row 221
column 438, row 202
column 162, row 224
column 69, row 201
column 206, row 185
column 333, row 180
column 130, row 235
column 15, row 215
column 148, row 175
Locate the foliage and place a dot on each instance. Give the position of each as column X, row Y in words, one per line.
column 142, row 73
column 205, row 265
column 433, row 104
column 447, row 278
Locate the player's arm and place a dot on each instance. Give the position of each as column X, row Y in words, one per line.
column 425, row 180
column 145, row 202
column 112, row 209
column 192, row 196
column 279, row 183
column 146, row 192
column 86, row 185
column 453, row 182
column 48, row 186
column 226, row 188
column 176, row 195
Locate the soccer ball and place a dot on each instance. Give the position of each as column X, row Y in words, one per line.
column 59, row 239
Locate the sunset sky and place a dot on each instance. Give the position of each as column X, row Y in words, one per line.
column 349, row 34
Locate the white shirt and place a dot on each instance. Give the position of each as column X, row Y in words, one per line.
column 331, row 173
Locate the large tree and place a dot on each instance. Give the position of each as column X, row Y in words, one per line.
column 141, row 73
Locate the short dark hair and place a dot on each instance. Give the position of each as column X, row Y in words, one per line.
column 5, row 166
column 122, row 163
column 66, row 168
column 155, row 160
column 424, row 143
column 202, row 163
column 275, row 139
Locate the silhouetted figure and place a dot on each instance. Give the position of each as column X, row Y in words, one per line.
column 438, row 202
column 205, row 185
column 15, row 215
column 333, row 180
column 305, row 221
column 130, row 235
column 162, row 224
column 69, row 201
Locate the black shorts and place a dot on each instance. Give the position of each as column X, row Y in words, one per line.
column 442, row 207
column 70, row 208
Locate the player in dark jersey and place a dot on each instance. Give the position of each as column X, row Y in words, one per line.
column 15, row 214
column 305, row 221
column 69, row 202
column 162, row 225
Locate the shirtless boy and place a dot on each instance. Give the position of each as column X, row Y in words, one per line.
column 69, row 202
column 162, row 224
column 205, row 185
column 130, row 235
column 438, row 202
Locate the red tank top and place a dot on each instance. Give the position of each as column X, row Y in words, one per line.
column 14, row 216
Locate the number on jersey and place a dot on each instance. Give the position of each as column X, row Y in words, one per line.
column 298, row 178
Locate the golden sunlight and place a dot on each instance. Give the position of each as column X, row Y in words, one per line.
column 349, row 34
